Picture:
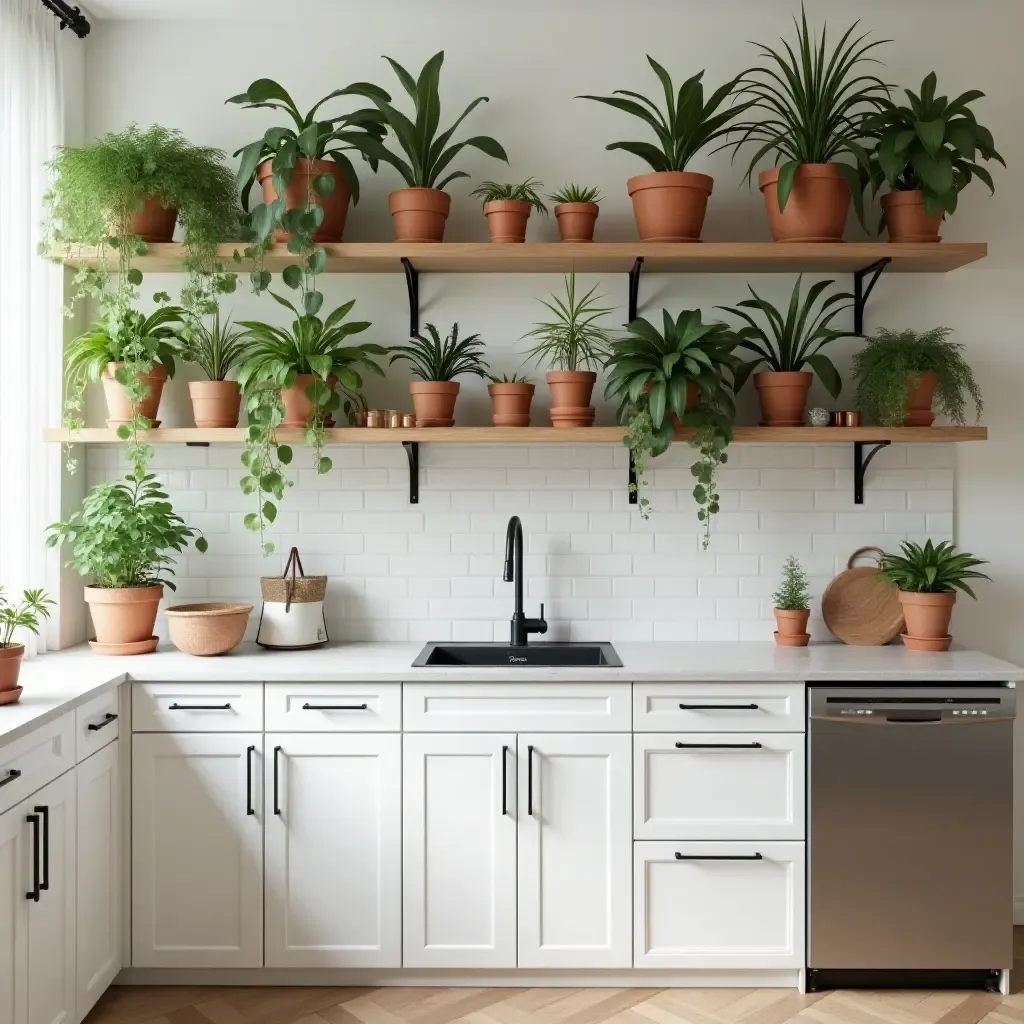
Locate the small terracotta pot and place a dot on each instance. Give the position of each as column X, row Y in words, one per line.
column 920, row 392
column 927, row 615
column 817, row 206
column 300, row 191
column 792, row 623
column 10, row 666
column 123, row 616
column 576, row 221
column 297, row 407
column 419, row 214
column 119, row 408
column 931, row 645
column 154, row 222
column 434, row 402
column 571, row 391
column 792, row 640
column 906, row 220
column 506, row 219
column 510, row 403
column 669, row 206
column 783, row 397
column 215, row 403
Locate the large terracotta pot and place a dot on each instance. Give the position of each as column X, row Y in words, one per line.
column 783, row 397
column 817, row 206
column 154, row 222
column 920, row 392
column 576, row 221
column 10, row 667
column 433, row 401
column 506, row 219
column 119, row 408
column 215, row 403
column 669, row 206
column 570, row 397
column 298, row 409
column 123, row 616
column 927, row 619
column 419, row 214
column 510, row 403
column 300, row 191
column 906, row 220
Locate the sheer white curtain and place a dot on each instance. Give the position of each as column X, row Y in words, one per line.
column 31, row 297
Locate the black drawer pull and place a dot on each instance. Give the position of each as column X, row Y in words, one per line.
column 198, row 707
column 719, row 707
column 277, row 802
column 33, row 820
column 12, row 776
column 249, row 809
column 504, row 780
column 719, row 856
column 719, row 746
column 335, row 707
column 107, row 719
column 529, row 780
column 44, row 814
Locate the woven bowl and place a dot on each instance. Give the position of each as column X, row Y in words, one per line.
column 208, row 628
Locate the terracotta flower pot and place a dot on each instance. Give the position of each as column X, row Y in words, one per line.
column 906, row 220
column 792, row 640
column 927, row 615
column 10, row 666
column 298, row 409
column 119, row 408
column 433, row 401
column 576, row 221
column 419, row 214
column 783, row 397
column 570, row 397
column 510, row 403
column 154, row 222
column 669, row 206
column 506, row 219
column 817, row 206
column 215, row 403
column 792, row 622
column 300, row 191
column 920, row 392
column 123, row 616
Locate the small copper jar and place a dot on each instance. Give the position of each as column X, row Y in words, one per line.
column 394, row 418
column 852, row 418
column 375, row 418
column 408, row 420
column 360, row 418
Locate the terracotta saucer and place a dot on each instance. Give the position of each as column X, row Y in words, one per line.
column 139, row 647
column 926, row 643
column 10, row 696
column 117, row 423
column 800, row 640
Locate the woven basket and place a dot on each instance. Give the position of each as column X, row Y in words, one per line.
column 208, row 628
column 293, row 586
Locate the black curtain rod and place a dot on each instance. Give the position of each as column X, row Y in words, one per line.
column 70, row 17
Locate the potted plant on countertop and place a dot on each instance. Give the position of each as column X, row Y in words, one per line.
column 436, row 364
column 217, row 349
column 787, row 346
column 511, row 397
column 810, row 106
column 576, row 211
column 792, row 605
column 669, row 204
column 574, row 344
column 34, row 605
column 927, row 153
column 680, row 376
column 125, row 538
column 901, row 374
column 928, row 578
column 419, row 212
column 507, row 208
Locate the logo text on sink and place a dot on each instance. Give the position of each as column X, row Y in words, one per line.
column 514, row 659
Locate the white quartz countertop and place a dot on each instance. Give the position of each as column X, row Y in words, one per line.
column 57, row 682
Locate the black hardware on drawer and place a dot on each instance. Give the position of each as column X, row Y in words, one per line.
column 12, row 776
column 719, row 746
column 504, row 779
column 96, row 726
column 719, row 707
column 248, row 779
column 33, row 820
column 529, row 779
column 335, row 707
column 198, row 707
column 719, row 856
column 44, row 814
column 277, row 803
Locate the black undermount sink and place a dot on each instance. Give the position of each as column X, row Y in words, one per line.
column 540, row 655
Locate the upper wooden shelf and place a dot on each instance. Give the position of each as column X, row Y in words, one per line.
column 597, row 257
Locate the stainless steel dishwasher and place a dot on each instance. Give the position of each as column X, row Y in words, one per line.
column 910, row 829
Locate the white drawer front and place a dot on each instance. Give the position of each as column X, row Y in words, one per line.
column 334, row 707
column 718, row 707
column 718, row 786
column 718, row 905
column 32, row 761
column 96, row 723
column 197, row 707
column 516, row 707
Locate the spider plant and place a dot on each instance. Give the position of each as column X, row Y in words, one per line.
column 34, row 605
column 431, row 359
column 525, row 192
column 509, row 378
column 931, row 568
column 217, row 348
column 574, row 339
column 573, row 193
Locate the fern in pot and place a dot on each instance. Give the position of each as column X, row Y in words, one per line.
column 217, row 348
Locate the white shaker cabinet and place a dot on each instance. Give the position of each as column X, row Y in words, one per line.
column 13, row 916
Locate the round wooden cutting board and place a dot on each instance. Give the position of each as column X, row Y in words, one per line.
column 859, row 608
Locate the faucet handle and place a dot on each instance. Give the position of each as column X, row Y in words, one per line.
column 542, row 611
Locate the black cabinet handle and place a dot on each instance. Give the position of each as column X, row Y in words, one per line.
column 33, row 820
column 719, row 856
column 335, row 707
column 198, row 707
column 44, row 814
column 504, row 779
column 719, row 707
column 249, row 809
column 719, row 746
column 12, row 776
column 277, row 803
column 107, row 719
column 529, row 779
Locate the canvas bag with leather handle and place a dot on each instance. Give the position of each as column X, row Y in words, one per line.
column 292, row 618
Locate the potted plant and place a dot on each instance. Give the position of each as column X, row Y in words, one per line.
column 419, row 212
column 669, row 204
column 436, row 364
column 576, row 212
column 810, row 106
column 678, row 376
column 125, row 538
column 511, row 398
column 34, row 605
column 507, row 208
column 926, row 153
column 217, row 349
column 928, row 578
column 900, row 374
column 574, row 344
column 792, row 605
column 786, row 346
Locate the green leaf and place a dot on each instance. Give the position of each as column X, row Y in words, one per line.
column 201, row 545
column 292, row 276
column 316, row 263
column 931, row 134
column 307, row 140
column 787, row 174
column 269, row 511
column 324, row 466
column 312, row 301
column 284, row 454
column 134, row 276
column 323, row 184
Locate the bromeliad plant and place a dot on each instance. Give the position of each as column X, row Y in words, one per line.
column 433, row 359
column 931, row 568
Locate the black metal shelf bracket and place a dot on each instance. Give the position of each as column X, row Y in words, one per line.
column 412, row 450
column 412, row 283
column 633, row 493
column 861, row 293
column 68, row 16
column 861, row 463
column 634, row 286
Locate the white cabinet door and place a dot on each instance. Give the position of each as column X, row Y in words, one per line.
column 575, row 849
column 459, row 851
column 333, row 886
column 197, row 850
column 99, row 875
column 719, row 905
column 14, row 877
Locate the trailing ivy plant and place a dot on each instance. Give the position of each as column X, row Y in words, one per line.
column 525, row 192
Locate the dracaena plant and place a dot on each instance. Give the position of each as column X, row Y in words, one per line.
column 525, row 192
column 576, row 338
column 931, row 568
column 684, row 127
column 217, row 347
column 431, row 358
column 25, row 614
